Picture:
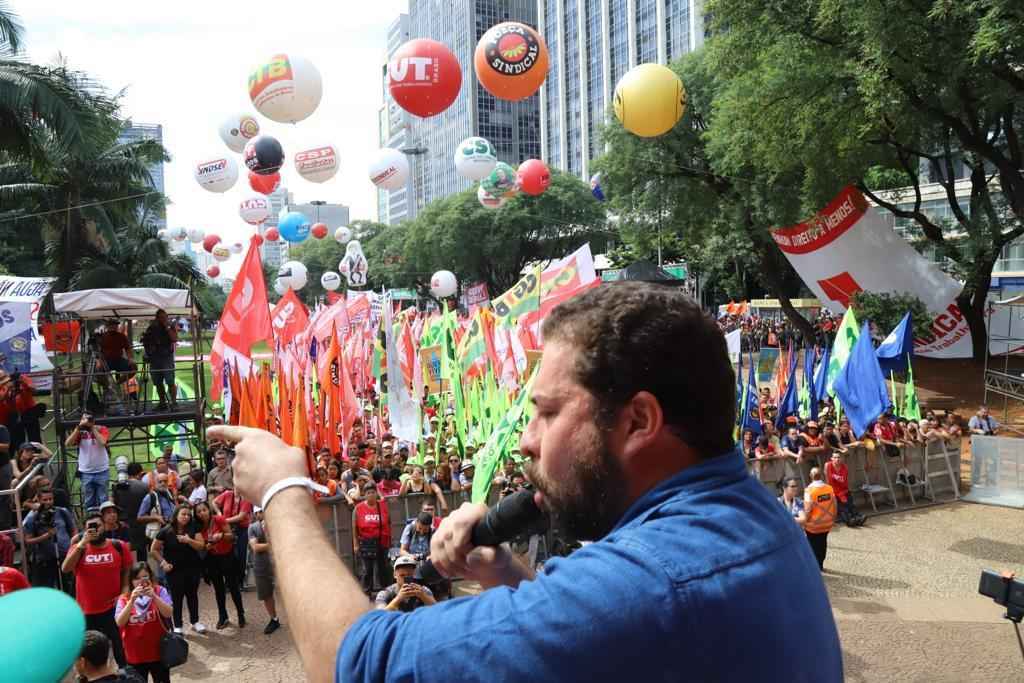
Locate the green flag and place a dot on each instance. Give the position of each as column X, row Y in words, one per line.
column 911, row 408
column 499, row 443
column 892, row 387
column 450, row 371
column 846, row 337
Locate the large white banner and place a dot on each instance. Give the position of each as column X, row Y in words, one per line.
column 31, row 291
column 847, row 247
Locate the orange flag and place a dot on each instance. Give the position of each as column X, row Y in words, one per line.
column 285, row 409
column 247, row 416
column 300, row 430
column 236, row 392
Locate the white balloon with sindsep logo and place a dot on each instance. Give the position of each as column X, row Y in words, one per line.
column 254, row 209
column 390, row 169
column 217, row 174
column 317, row 164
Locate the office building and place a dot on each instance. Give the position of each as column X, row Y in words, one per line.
column 201, row 260
column 273, row 254
column 512, row 127
column 134, row 132
column 592, row 44
column 394, row 123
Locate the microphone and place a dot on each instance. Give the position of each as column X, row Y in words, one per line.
column 511, row 516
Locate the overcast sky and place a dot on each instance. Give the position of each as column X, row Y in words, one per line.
column 185, row 65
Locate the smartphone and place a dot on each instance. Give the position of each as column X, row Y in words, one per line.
column 92, row 525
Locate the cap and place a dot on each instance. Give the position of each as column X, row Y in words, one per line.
column 811, row 424
column 92, row 513
column 107, row 505
column 426, row 460
column 405, row 561
column 467, row 465
column 435, row 418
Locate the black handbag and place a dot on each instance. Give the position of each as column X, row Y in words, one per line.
column 173, row 649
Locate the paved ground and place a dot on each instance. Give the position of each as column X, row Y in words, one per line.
column 904, row 591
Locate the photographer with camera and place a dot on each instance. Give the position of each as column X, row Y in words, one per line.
column 48, row 533
column 93, row 460
column 21, row 412
column 416, row 537
column 158, row 342
column 101, row 567
column 406, row 593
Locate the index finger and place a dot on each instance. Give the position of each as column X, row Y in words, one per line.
column 232, row 433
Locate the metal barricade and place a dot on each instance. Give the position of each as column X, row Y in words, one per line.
column 19, row 528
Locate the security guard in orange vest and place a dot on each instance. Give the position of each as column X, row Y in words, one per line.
column 820, row 508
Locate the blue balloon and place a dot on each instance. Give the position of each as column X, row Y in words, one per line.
column 43, row 631
column 294, row 226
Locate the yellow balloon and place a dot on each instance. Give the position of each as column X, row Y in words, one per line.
column 649, row 100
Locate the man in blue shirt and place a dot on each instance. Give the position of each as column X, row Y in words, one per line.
column 696, row 572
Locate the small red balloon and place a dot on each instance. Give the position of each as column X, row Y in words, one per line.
column 213, row 271
column 272, row 235
column 424, row 77
column 209, row 242
column 319, row 231
column 264, row 184
column 534, row 176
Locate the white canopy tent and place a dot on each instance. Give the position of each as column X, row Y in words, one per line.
column 133, row 302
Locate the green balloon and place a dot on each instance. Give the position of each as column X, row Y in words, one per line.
column 42, row 631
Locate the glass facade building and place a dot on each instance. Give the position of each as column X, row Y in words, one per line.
column 592, row 44
column 134, row 132
column 512, row 127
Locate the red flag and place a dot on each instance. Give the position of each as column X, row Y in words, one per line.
column 245, row 320
column 406, row 352
column 289, row 317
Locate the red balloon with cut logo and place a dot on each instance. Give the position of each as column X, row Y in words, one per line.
column 209, row 242
column 534, row 176
column 264, row 184
column 319, row 231
column 424, row 77
column 272, row 235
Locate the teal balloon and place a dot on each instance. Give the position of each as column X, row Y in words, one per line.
column 42, row 632
column 500, row 180
column 294, row 226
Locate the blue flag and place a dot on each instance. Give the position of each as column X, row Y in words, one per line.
column 739, row 388
column 751, row 407
column 860, row 385
column 894, row 353
column 812, row 394
column 821, row 376
column 790, row 403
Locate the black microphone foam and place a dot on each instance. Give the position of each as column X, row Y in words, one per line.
column 513, row 515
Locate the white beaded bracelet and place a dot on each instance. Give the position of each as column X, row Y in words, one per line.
column 288, row 482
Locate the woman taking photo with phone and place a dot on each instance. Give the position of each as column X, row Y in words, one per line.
column 140, row 616
column 220, row 561
column 177, row 553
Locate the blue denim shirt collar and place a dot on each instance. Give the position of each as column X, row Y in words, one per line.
column 708, row 473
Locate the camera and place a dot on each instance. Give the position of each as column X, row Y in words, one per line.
column 44, row 518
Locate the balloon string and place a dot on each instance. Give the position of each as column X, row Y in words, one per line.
column 77, row 206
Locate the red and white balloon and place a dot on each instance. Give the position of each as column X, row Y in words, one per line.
column 209, row 242
column 217, row 174
column 424, row 77
column 317, row 164
column 213, row 272
column 254, row 209
column 533, row 176
column 319, row 231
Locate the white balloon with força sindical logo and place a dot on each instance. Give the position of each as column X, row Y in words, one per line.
column 390, row 169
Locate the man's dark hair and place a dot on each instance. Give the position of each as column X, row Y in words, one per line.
column 44, row 491
column 95, row 648
column 425, row 519
column 636, row 336
column 134, row 469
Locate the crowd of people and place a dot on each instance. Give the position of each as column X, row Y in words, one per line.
column 150, row 538
column 760, row 331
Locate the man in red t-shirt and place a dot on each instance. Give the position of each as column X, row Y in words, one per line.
column 101, row 566
column 837, row 475
column 11, row 580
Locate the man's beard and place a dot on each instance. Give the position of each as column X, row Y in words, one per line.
column 592, row 499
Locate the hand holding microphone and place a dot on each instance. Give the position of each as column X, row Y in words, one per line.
column 468, row 542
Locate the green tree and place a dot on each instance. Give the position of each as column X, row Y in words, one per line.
column 672, row 186
column 887, row 309
column 456, row 233
column 879, row 95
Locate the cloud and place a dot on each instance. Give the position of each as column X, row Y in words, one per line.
column 185, row 65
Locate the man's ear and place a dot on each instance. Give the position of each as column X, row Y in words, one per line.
column 641, row 422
